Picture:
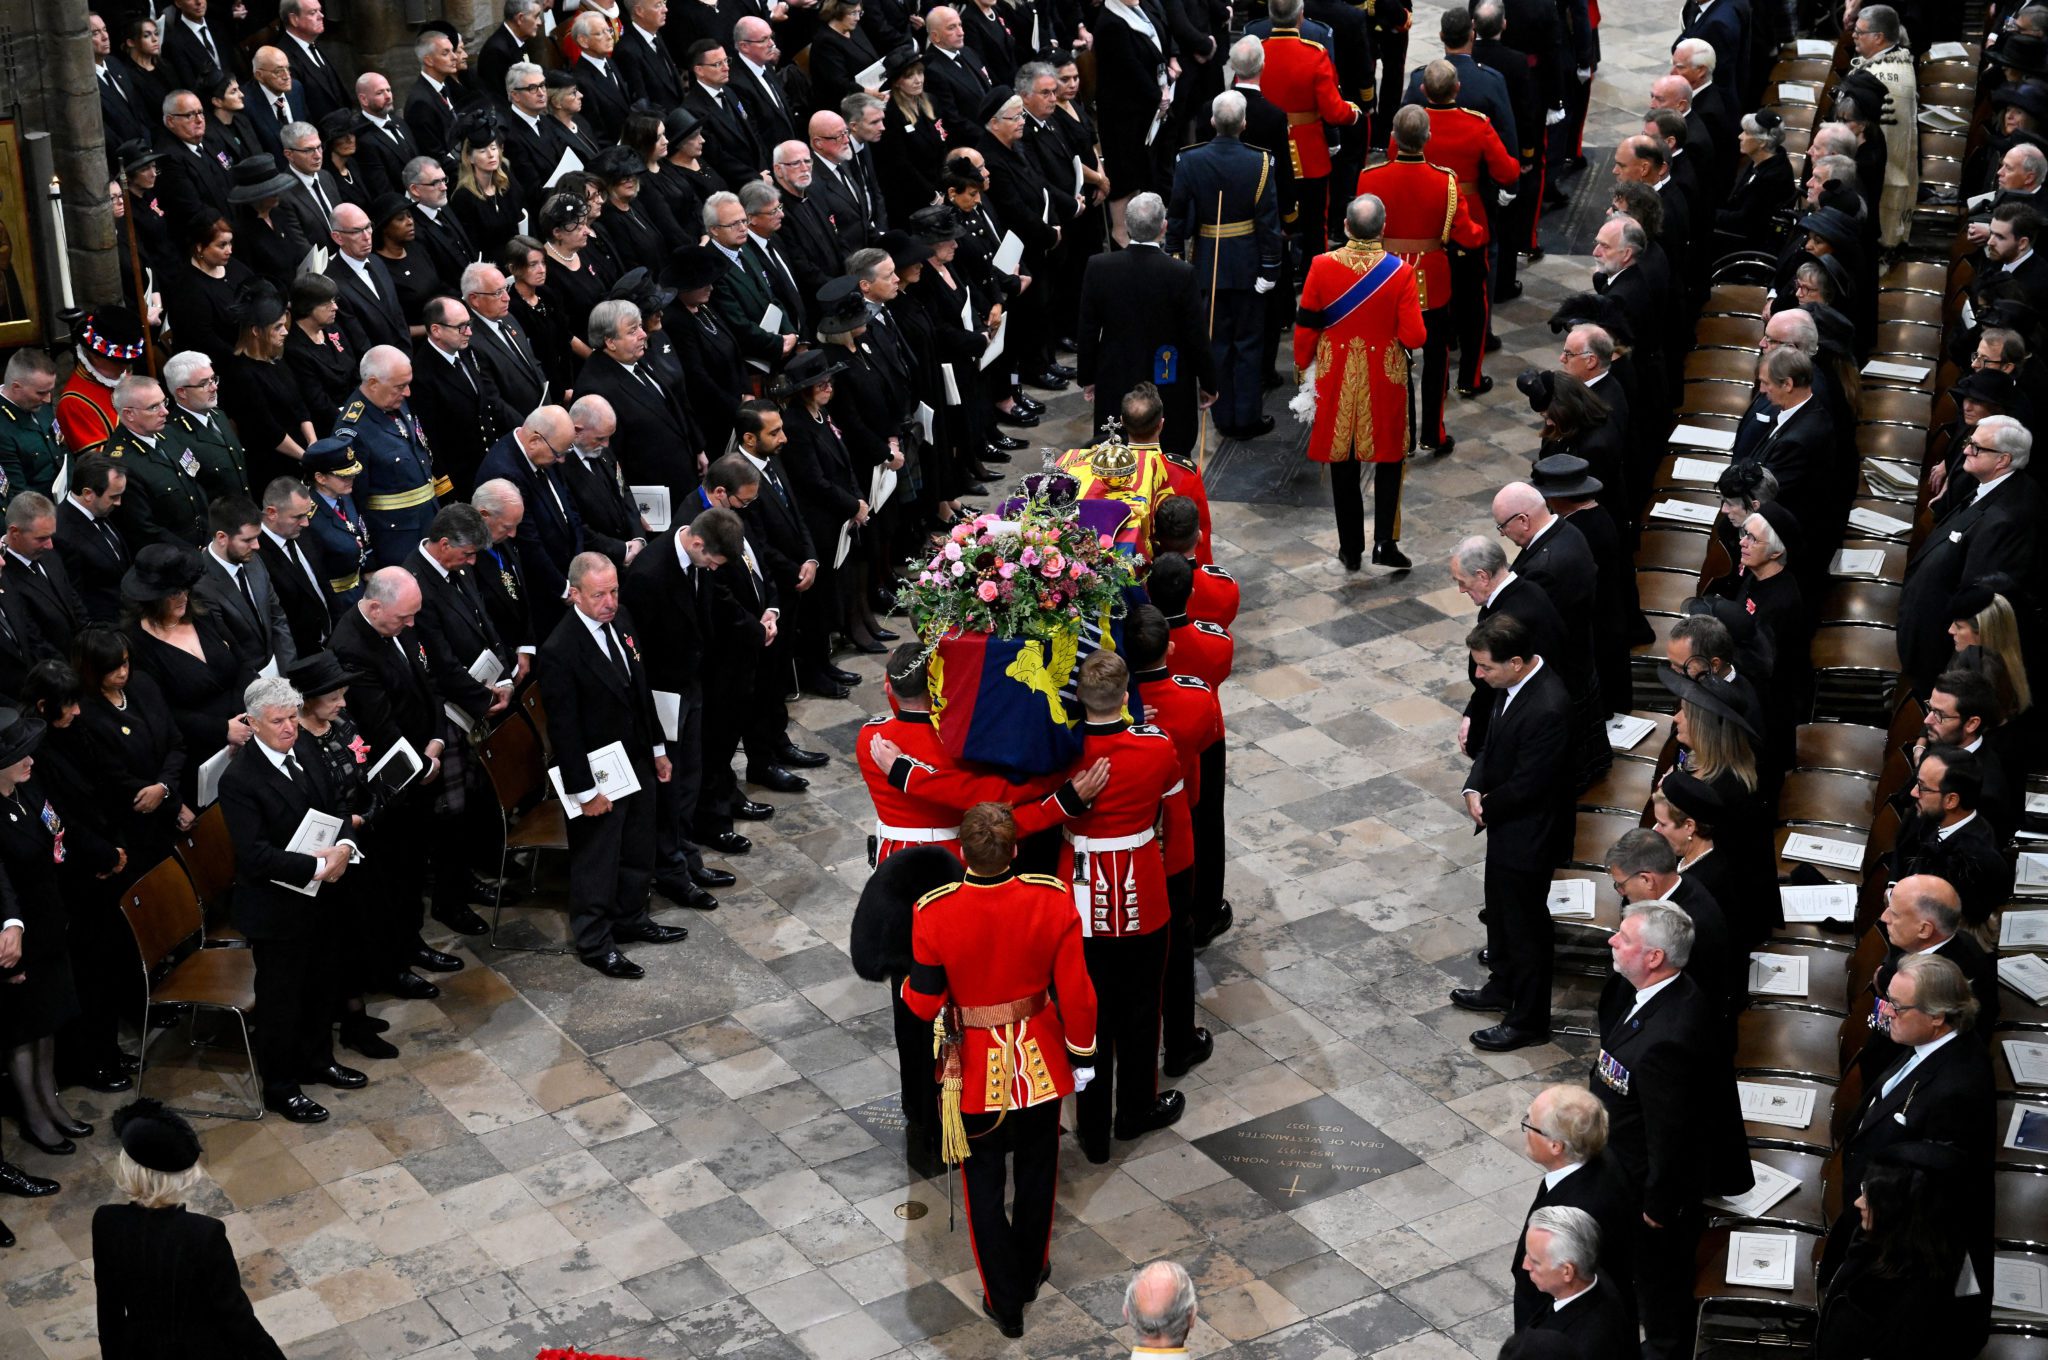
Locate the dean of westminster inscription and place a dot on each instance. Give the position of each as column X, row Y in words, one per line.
column 1306, row 1152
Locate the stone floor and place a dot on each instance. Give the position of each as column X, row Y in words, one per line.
column 698, row 1164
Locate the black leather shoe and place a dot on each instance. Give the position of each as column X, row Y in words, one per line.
column 1386, row 554
column 1060, row 370
column 826, row 689
column 1165, row 1112
column 339, row 1077
column 434, row 961
column 1210, row 933
column 6, row 1236
column 15, row 1181
column 1476, row 999
column 298, row 1107
column 1043, row 1276
column 1506, row 1038
column 796, row 757
column 1485, row 957
column 888, row 634
column 1023, row 420
column 1047, row 382
column 1485, row 386
column 713, row 878
column 867, row 648
column 1010, row 1327
column 1536, row 256
column 1507, row 294
column 74, row 1128
column 1096, row 1153
column 683, row 893
column 412, row 987
column 1262, row 426
column 615, row 965
column 729, row 843
column 1352, row 561
column 652, row 932
column 463, row 921
column 1003, row 443
column 778, row 779
column 1493, row 343
column 844, row 677
column 1205, row 1044
column 63, row 1147
column 747, row 810
column 1024, row 401
column 363, row 1040
column 107, row 1079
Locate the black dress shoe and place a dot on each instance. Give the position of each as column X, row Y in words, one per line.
column 1506, row 1038
column 1023, row 420
column 797, row 757
column 778, row 779
column 1485, row 957
column 1476, row 999
column 108, row 1079
column 1262, row 426
column 1010, row 1327
column 1492, row 347
column 463, row 921
column 434, row 961
column 651, row 932
column 1205, row 1044
column 713, row 878
column 1485, row 386
column 1386, row 554
column 1059, row 370
column 613, row 964
column 1209, row 934
column 339, row 1077
column 15, row 1181
column 844, row 677
column 363, row 1040
column 1024, row 401
column 747, row 810
column 6, row 1236
column 826, row 689
column 1047, row 382
column 868, row 648
column 1352, row 561
column 1536, row 256
column 1003, row 443
column 63, row 1147
column 1507, row 294
column 1165, row 1112
column 887, row 634
column 411, row 986
column 298, row 1107
column 74, row 1128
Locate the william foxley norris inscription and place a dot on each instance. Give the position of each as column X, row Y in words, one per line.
column 1306, row 1152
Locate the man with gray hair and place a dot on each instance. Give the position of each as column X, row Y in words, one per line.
column 1879, row 39
column 1226, row 200
column 1673, row 1117
column 498, row 343
column 1160, row 1307
column 36, row 574
column 269, row 788
column 551, row 535
column 1565, row 1133
column 1141, row 321
column 399, row 486
column 532, row 140
column 1923, row 914
column 644, row 58
column 1644, row 868
column 371, row 314
column 612, row 523
column 447, row 245
column 1479, row 569
column 301, row 22
column 657, row 442
column 193, row 385
column 430, row 108
column 1561, row 1252
column 165, row 503
column 513, row 42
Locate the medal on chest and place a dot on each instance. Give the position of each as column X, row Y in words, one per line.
column 1613, row 1074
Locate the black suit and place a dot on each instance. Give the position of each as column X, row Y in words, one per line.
column 1674, row 1124
column 299, row 203
column 456, row 629
column 1720, row 970
column 1527, row 601
column 22, row 644
column 370, row 319
column 594, row 699
column 1881, row 1051
column 656, row 443
column 1525, row 788
column 606, row 99
column 1601, row 1189
column 170, row 1287
column 447, row 245
column 501, row 581
column 1799, row 450
column 504, row 352
column 121, row 111
column 324, row 87
column 650, row 68
column 95, row 558
column 303, row 598
column 732, row 143
column 610, row 516
column 1998, row 533
column 431, row 116
column 1134, row 303
column 851, row 211
column 1968, row 859
column 192, row 62
column 552, row 533
column 1596, row 1320
column 254, row 622
column 382, row 155
column 44, row 589
column 460, row 409
column 494, row 59
column 296, row 987
column 956, row 86
column 532, row 153
column 190, row 181
column 262, row 115
column 770, row 112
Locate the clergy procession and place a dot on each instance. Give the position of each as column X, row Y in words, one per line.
column 675, row 680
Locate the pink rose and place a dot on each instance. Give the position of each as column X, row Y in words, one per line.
column 1077, row 571
column 960, row 532
column 959, row 569
column 1029, row 557
column 1105, row 542
column 1007, row 570
column 952, row 553
column 987, row 590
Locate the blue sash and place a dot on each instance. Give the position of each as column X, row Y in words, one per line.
column 1353, row 297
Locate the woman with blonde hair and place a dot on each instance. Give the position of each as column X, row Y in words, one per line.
column 166, row 1277
column 1986, row 632
column 487, row 200
column 1719, row 754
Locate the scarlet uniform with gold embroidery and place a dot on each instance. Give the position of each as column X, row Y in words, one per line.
column 1186, row 480
column 1360, row 357
column 1111, row 855
column 1302, row 81
column 1201, row 649
column 1425, row 212
column 1140, row 493
column 1186, row 708
column 1463, row 142
column 993, row 941
column 919, row 800
column 1214, row 598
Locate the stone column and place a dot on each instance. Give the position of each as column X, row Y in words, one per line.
column 381, row 35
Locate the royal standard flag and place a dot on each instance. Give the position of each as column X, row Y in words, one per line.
column 1009, row 702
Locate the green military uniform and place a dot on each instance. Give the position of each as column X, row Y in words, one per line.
column 30, row 456
column 223, row 467
column 165, row 502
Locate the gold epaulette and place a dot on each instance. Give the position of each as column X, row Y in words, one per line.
column 1044, row 881
column 935, row 894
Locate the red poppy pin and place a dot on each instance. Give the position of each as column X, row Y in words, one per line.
column 1750, row 605
column 360, row 749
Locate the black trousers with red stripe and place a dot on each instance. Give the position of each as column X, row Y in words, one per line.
column 1127, row 971
column 1011, row 1249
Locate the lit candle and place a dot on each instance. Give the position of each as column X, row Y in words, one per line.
column 63, row 244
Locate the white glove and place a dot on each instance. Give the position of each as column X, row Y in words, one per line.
column 1082, row 1076
column 1503, row 197
column 1585, row 74
column 1263, row 286
column 1554, row 117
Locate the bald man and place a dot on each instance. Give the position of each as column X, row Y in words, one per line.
column 1160, row 1307
column 552, row 534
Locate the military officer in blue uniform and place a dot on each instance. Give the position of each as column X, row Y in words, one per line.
column 397, row 489
column 338, row 540
column 1226, row 202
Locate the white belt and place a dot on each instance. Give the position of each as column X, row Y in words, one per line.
column 1178, row 785
column 921, row 835
column 1092, row 844
column 1084, row 883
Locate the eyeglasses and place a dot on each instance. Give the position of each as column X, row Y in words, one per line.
column 160, row 405
column 505, row 291
column 310, row 149
column 431, row 183
column 529, row 89
column 1527, row 1127
column 189, row 113
column 838, row 136
column 1901, row 1007
column 1575, row 354
column 729, row 226
column 203, row 382
column 351, row 231
column 454, row 325
column 1502, row 525
column 1971, row 446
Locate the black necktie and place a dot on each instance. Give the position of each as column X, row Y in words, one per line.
column 248, row 593
column 618, row 656
column 284, row 114
column 291, row 768
column 113, row 539
column 467, row 367
column 774, row 481
column 326, row 208
column 206, row 41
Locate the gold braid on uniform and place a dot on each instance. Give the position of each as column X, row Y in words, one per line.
column 946, row 1045
column 1351, row 438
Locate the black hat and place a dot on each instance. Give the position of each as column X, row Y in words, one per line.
column 1593, row 309
column 161, row 570
column 1766, row 119
column 992, row 103
column 638, row 287
column 677, row 124
column 258, row 177
column 386, row 208
column 1538, row 385
column 2010, row 314
column 561, row 212
column 1565, row 477
column 344, row 123
column 1709, row 694
column 1867, row 92
column 259, row 304
column 1832, row 225
column 558, row 80
column 1691, row 795
column 1741, row 624
column 475, row 126
column 335, row 457
column 939, row 222
column 2028, row 96
column 898, row 60
column 1987, row 387
column 135, row 155
column 20, row 734
column 318, row 674
column 1787, row 526
column 841, row 308
column 112, row 332
column 616, row 164
column 906, row 250
column 1837, row 331
column 812, row 367
column 155, row 1137
column 2026, row 52
column 693, row 267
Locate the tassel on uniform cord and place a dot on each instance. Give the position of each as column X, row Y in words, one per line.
column 946, row 1044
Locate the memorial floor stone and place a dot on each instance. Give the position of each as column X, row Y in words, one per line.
column 1306, row 1152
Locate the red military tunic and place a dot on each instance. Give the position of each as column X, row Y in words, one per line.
column 1201, row 649
column 1359, row 349
column 1463, row 142
column 1111, row 855
column 1186, row 480
column 1186, row 708
column 1302, row 81
column 992, row 942
column 1425, row 213
column 918, row 801
column 85, row 413
column 1215, row 597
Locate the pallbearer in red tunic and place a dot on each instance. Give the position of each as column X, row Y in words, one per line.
column 1000, row 956
column 1215, row 596
column 1359, row 318
column 1205, row 651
